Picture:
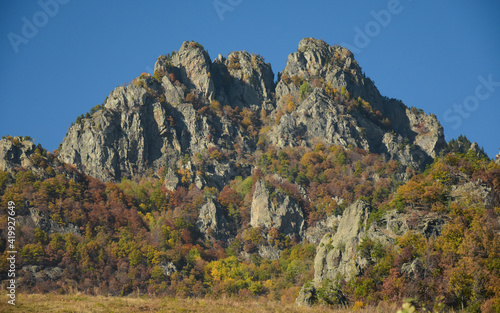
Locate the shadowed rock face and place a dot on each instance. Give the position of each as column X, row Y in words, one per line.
column 15, row 152
column 155, row 121
column 212, row 223
column 280, row 211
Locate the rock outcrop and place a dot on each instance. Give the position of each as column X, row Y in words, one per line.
column 168, row 268
column 155, row 121
column 247, row 80
column 171, row 181
column 336, row 253
column 212, row 223
column 278, row 211
column 340, row 253
column 15, row 152
column 318, row 117
column 315, row 233
column 41, row 274
column 125, row 138
column 321, row 95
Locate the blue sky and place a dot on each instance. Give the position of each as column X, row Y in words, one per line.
column 441, row 56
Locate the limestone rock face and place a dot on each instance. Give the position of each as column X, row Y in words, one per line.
column 336, row 253
column 398, row 147
column 194, row 66
column 249, row 80
column 157, row 120
column 414, row 268
column 307, row 295
column 497, row 158
column 330, row 72
column 171, row 180
column 315, row 233
column 477, row 189
column 40, row 274
column 315, row 58
column 278, row 211
column 319, row 117
column 428, row 132
column 269, row 252
column 151, row 123
column 15, row 152
column 212, row 223
column 168, row 268
column 125, row 138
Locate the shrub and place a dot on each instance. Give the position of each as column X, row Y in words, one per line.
column 329, row 90
column 305, row 90
column 194, row 44
column 96, row 108
column 215, row 106
column 279, row 114
column 79, row 119
column 216, row 154
column 297, row 80
column 286, row 79
column 158, row 75
column 191, row 97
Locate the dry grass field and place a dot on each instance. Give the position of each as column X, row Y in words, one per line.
column 82, row 303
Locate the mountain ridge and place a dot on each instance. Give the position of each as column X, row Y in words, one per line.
column 208, row 178
column 191, row 103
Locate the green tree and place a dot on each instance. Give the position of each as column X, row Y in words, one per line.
column 305, row 90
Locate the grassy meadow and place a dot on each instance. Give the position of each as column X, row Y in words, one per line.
column 83, row 303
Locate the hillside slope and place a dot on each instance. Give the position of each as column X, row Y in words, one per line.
column 210, row 179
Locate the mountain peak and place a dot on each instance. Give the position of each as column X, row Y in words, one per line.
column 192, row 105
column 313, row 44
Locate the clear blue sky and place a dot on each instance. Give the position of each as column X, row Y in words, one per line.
column 430, row 54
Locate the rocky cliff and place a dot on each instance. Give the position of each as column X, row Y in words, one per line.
column 322, row 93
column 212, row 223
column 155, row 121
column 279, row 211
column 15, row 152
column 192, row 104
column 339, row 254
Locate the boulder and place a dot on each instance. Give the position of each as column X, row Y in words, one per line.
column 212, row 223
column 278, row 211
